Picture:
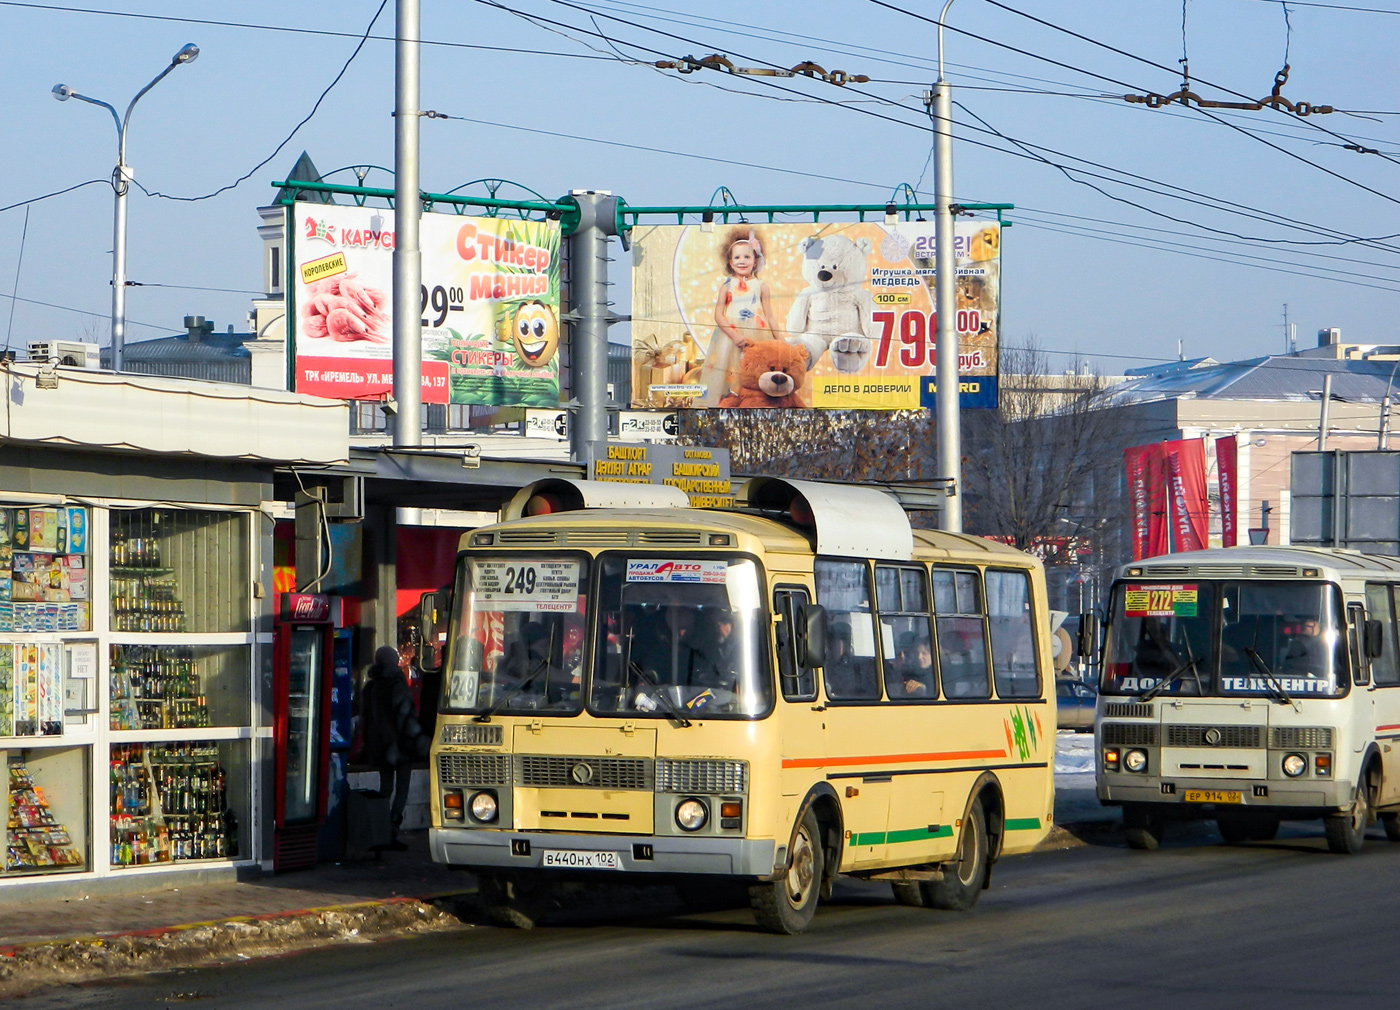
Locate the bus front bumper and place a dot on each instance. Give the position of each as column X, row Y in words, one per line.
column 525, row 850
column 1306, row 795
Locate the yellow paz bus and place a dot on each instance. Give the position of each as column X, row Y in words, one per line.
column 774, row 695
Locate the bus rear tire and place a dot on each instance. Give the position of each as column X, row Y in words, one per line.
column 962, row 881
column 514, row 901
column 787, row 906
column 1346, row 831
column 909, row 893
column 1143, row 826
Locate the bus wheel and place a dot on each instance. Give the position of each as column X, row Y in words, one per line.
column 1142, row 826
column 1233, row 829
column 514, row 901
column 962, row 881
column 1391, row 823
column 788, row 905
column 909, row 893
column 1347, row 830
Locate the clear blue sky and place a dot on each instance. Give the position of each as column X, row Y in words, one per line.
column 1067, row 281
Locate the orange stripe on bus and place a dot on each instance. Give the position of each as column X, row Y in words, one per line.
column 891, row 759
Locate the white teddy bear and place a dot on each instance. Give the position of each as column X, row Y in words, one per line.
column 835, row 311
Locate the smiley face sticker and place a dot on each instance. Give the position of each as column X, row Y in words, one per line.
column 535, row 333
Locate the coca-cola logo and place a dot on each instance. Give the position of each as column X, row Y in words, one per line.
column 305, row 607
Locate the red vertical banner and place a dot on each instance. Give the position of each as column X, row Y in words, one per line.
column 1227, row 463
column 1187, row 502
column 1145, row 466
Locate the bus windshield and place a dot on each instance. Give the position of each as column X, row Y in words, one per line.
column 1277, row 636
column 680, row 636
column 1274, row 639
column 519, row 634
column 1160, row 639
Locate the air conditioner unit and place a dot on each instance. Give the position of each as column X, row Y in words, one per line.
column 73, row 353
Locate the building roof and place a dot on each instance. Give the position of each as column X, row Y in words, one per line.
column 1274, row 377
column 211, row 346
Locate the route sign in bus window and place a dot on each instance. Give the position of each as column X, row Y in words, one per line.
column 1160, row 601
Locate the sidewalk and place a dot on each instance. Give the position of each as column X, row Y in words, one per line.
column 398, row 875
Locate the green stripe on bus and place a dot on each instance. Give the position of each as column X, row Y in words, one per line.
column 907, row 835
column 1024, row 824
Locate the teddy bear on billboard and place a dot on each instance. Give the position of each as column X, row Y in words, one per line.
column 771, row 375
column 835, row 311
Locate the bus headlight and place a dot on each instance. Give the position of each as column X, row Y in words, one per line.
column 1294, row 765
column 691, row 815
column 484, row 807
column 1135, row 761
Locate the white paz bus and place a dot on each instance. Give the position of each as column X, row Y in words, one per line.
column 769, row 696
column 1251, row 685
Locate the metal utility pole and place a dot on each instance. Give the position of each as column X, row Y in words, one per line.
column 947, row 419
column 408, row 208
column 122, row 178
column 1326, row 407
column 591, row 316
column 1384, row 441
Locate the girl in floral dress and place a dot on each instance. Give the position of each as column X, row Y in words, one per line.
column 743, row 315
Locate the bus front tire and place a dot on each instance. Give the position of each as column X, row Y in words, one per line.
column 1143, row 826
column 1391, row 823
column 515, row 901
column 962, row 881
column 1346, row 831
column 787, row 906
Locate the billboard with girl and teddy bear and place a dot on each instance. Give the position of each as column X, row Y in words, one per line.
column 825, row 315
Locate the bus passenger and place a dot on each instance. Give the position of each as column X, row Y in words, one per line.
column 846, row 675
column 1305, row 652
column 913, row 673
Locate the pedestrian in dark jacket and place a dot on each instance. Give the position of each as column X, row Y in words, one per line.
column 393, row 738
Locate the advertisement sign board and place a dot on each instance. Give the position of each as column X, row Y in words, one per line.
column 702, row 472
column 489, row 303
column 824, row 315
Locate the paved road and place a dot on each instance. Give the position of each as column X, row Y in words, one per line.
column 1196, row 925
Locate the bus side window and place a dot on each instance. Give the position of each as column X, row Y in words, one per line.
column 843, row 588
column 905, row 636
column 962, row 650
column 1356, row 627
column 1379, row 607
column 798, row 683
column 1014, row 657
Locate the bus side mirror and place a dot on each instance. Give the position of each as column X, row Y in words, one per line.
column 1088, row 644
column 432, row 621
column 1374, row 639
column 811, row 636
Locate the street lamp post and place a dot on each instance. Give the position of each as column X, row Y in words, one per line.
column 121, row 183
column 946, row 397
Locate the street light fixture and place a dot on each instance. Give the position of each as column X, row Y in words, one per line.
column 121, row 182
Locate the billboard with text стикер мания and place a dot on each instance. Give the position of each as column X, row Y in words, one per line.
column 489, row 304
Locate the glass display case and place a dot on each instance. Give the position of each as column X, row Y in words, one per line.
column 179, row 571
column 178, row 686
column 46, row 810
column 177, row 802
column 44, row 570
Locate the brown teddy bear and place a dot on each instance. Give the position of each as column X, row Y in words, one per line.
column 771, row 375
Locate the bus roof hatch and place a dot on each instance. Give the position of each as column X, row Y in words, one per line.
column 563, row 494
column 858, row 522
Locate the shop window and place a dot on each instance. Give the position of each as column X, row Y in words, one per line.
column 178, row 802
column 843, row 588
column 44, row 570
column 46, row 816
column 179, row 686
column 1013, row 640
column 179, row 570
column 31, row 689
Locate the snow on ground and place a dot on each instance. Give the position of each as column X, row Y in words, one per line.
column 1074, row 753
column 1075, row 799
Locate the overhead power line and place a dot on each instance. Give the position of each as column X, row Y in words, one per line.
column 57, row 192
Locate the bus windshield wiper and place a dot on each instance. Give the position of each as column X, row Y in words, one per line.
column 1172, row 678
column 1272, row 687
column 540, row 667
column 670, row 706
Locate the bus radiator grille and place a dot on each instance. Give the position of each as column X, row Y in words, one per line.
column 1300, row 737
column 1128, row 710
column 704, row 776
column 474, row 769
column 474, row 734
column 553, row 772
column 1129, row 734
column 1230, row 736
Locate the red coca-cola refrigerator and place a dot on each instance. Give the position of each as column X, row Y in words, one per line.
column 302, row 649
